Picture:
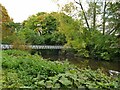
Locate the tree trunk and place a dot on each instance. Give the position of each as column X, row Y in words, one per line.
column 104, row 19
column 94, row 16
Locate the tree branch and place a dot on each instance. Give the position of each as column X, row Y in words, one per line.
column 79, row 3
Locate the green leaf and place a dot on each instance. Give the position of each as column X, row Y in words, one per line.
column 73, row 71
column 57, row 85
column 49, row 84
column 54, row 79
column 41, row 83
column 65, row 81
column 72, row 76
column 81, row 86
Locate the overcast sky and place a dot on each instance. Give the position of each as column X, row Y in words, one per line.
column 20, row 10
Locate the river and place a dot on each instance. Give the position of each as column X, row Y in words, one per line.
column 82, row 62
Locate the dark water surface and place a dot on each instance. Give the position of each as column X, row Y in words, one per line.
column 82, row 62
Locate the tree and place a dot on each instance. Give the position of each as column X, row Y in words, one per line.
column 104, row 19
column 4, row 14
column 46, row 25
column 5, row 20
column 113, row 18
column 92, row 42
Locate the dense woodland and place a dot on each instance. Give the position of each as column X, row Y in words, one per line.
column 92, row 33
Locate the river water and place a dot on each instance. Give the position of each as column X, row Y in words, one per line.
column 82, row 62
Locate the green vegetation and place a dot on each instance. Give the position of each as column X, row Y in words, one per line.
column 57, row 28
column 23, row 70
column 92, row 33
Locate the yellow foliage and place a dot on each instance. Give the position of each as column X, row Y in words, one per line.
column 18, row 44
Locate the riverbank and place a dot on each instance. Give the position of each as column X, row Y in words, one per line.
column 20, row 69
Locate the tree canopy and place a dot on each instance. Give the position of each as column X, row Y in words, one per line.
column 87, row 35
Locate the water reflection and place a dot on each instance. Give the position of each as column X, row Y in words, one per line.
column 82, row 63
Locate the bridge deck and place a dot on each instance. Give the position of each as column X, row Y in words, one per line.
column 4, row 46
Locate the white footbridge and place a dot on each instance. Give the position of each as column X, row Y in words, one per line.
column 5, row 46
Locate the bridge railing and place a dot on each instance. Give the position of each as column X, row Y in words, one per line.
column 5, row 46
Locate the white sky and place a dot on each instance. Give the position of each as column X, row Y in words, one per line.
column 20, row 10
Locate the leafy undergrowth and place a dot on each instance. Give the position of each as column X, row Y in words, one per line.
column 23, row 70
